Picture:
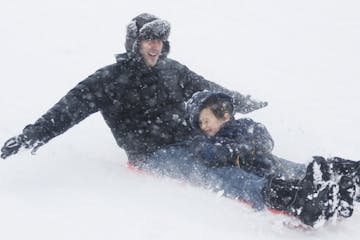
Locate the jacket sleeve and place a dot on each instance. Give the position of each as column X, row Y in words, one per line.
column 247, row 144
column 251, row 148
column 251, row 140
column 193, row 82
column 81, row 101
column 211, row 153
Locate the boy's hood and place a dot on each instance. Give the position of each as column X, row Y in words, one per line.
column 196, row 103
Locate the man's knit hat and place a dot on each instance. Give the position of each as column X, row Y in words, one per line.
column 146, row 26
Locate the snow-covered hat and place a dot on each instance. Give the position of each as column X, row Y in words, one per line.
column 198, row 101
column 147, row 26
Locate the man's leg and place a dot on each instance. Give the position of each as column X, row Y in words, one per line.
column 287, row 169
column 178, row 163
column 312, row 198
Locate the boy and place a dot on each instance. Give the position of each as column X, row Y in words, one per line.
column 231, row 142
column 324, row 189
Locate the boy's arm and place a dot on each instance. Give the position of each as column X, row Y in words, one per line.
column 252, row 139
column 211, row 153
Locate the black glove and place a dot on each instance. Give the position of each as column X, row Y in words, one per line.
column 11, row 146
column 14, row 144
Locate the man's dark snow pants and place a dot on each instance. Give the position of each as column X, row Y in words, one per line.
column 178, row 163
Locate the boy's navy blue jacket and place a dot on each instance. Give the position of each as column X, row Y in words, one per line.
column 243, row 143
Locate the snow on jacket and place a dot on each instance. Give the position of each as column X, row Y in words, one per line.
column 144, row 107
column 243, row 142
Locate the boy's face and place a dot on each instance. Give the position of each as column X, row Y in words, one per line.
column 209, row 123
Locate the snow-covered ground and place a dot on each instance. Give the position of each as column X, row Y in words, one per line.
column 301, row 56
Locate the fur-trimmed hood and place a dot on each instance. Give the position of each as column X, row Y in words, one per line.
column 147, row 26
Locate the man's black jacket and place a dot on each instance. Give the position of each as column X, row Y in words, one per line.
column 144, row 107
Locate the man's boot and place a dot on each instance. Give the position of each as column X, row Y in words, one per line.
column 344, row 167
column 345, row 173
column 315, row 198
column 347, row 192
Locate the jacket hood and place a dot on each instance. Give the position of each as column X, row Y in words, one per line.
column 196, row 103
column 147, row 26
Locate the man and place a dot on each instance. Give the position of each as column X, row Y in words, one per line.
column 141, row 97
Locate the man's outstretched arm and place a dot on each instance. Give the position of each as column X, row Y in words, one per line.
column 242, row 103
column 76, row 105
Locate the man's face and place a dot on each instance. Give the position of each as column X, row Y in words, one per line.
column 209, row 123
column 150, row 50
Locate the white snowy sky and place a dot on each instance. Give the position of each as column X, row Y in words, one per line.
column 301, row 56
